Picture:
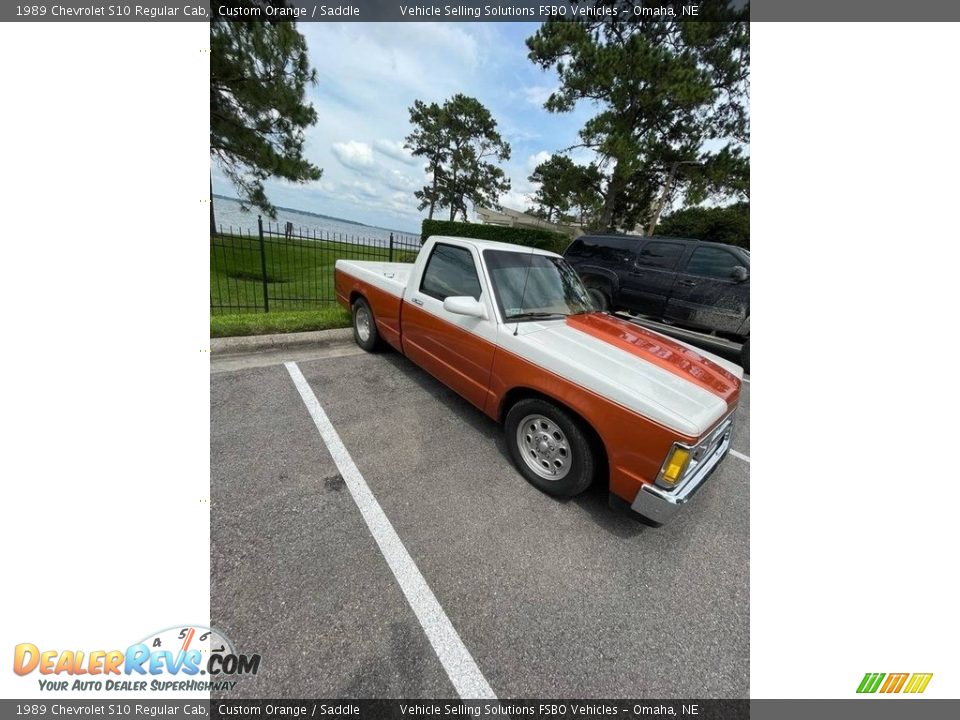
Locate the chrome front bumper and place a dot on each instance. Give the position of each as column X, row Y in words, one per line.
column 659, row 504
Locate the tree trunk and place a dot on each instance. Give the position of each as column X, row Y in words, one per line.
column 213, row 220
column 453, row 197
column 661, row 202
column 433, row 192
column 614, row 189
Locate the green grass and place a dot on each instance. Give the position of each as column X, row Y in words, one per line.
column 299, row 272
column 284, row 321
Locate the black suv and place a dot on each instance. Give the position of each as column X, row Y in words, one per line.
column 701, row 285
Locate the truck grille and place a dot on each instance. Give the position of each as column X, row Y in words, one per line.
column 713, row 443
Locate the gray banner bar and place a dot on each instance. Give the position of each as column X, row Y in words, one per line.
column 467, row 10
column 52, row 709
column 873, row 708
column 868, row 708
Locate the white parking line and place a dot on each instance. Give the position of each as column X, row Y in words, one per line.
column 740, row 455
column 453, row 654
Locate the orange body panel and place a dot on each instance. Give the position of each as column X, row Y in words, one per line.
column 484, row 373
column 636, row 446
column 386, row 307
column 454, row 356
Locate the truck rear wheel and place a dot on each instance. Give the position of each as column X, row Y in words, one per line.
column 364, row 326
column 549, row 448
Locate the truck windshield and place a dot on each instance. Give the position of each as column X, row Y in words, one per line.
column 530, row 287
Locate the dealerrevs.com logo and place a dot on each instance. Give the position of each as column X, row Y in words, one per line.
column 182, row 658
column 894, row 683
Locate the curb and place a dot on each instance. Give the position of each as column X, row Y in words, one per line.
column 254, row 343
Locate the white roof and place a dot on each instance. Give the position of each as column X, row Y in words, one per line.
column 493, row 245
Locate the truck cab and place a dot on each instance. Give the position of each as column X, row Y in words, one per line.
column 582, row 395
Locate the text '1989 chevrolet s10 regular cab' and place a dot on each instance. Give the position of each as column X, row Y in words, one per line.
column 581, row 393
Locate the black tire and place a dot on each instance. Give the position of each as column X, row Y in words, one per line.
column 745, row 356
column 365, row 326
column 582, row 463
column 600, row 299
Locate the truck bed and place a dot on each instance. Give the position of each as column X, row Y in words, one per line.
column 391, row 277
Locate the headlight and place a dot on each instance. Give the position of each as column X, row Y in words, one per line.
column 674, row 466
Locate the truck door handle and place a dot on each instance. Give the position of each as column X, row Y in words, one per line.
column 687, row 283
column 417, row 301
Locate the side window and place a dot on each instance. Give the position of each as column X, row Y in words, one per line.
column 578, row 248
column 619, row 251
column 450, row 272
column 660, row 255
column 712, row 262
column 614, row 250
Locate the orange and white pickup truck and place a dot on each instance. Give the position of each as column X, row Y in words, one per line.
column 581, row 394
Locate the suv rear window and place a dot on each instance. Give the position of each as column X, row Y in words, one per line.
column 712, row 262
column 450, row 272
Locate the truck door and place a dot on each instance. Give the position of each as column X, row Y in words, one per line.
column 708, row 294
column 650, row 279
column 456, row 349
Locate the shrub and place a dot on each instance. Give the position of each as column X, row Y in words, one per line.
column 730, row 224
column 530, row 237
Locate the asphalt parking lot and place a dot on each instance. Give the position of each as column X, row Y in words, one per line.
column 551, row 598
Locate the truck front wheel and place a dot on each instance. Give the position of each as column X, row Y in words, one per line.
column 549, row 448
column 364, row 326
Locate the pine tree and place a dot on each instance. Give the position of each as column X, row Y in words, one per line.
column 459, row 139
column 664, row 87
column 259, row 73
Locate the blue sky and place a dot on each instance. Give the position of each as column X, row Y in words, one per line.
column 368, row 76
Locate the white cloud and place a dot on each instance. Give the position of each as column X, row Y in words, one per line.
column 516, row 200
column 353, row 154
column 358, row 156
column 537, row 94
column 395, row 149
column 362, row 187
column 535, row 160
column 398, row 181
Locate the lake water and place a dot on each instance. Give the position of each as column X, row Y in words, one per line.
column 229, row 215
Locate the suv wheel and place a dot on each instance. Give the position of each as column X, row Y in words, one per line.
column 600, row 299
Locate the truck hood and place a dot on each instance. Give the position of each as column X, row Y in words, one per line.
column 668, row 381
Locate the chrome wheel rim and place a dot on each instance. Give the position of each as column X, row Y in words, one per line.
column 362, row 322
column 544, row 447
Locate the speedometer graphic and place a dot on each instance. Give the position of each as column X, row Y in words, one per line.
column 216, row 651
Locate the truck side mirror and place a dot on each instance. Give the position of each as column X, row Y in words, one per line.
column 465, row 305
column 740, row 273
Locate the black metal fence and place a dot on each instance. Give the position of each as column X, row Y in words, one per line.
column 289, row 269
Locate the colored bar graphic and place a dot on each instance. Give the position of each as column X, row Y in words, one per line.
column 915, row 683
column 870, row 682
column 894, row 682
column 918, row 682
